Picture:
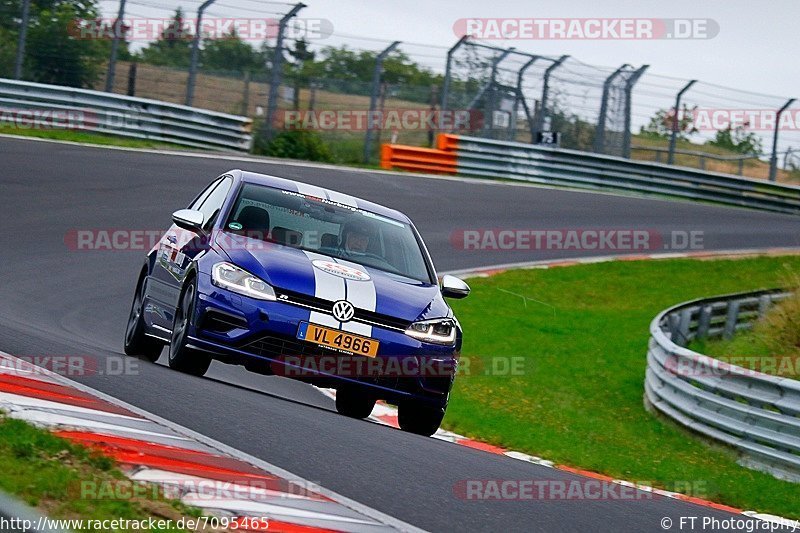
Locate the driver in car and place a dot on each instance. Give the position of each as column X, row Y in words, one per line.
column 355, row 238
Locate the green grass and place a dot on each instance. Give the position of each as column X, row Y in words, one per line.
column 582, row 335
column 88, row 137
column 772, row 346
column 46, row 472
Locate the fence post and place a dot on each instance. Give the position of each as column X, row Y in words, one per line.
column 673, row 138
column 521, row 94
column 545, row 89
column 23, row 34
column 277, row 72
column 132, row 79
column 373, row 97
column 312, row 97
column 626, row 141
column 489, row 86
column 112, row 60
column 447, row 71
column 600, row 131
column 731, row 318
column 246, row 94
column 773, row 161
column 195, row 52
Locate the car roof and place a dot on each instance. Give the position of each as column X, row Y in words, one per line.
column 314, row 190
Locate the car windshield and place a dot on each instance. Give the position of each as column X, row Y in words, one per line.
column 330, row 228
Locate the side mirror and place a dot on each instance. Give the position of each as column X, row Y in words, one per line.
column 188, row 219
column 453, row 287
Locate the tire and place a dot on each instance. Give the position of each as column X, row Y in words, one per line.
column 420, row 418
column 137, row 344
column 182, row 358
column 350, row 402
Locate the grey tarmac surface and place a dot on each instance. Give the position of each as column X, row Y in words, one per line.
column 55, row 301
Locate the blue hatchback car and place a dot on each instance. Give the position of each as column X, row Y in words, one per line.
column 292, row 279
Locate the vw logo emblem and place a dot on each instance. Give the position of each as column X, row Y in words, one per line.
column 343, row 310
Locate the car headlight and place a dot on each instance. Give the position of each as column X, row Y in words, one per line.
column 438, row 331
column 231, row 277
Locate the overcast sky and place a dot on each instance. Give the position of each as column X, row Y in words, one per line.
column 756, row 49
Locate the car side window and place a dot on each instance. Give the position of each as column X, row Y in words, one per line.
column 212, row 204
column 203, row 195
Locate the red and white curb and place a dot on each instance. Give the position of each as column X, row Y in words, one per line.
column 203, row 473
column 386, row 414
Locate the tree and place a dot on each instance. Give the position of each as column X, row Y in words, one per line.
column 8, row 49
column 230, row 54
column 174, row 46
column 661, row 124
column 55, row 52
column 737, row 140
column 353, row 69
column 301, row 55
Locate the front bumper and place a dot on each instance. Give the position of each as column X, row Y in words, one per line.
column 261, row 335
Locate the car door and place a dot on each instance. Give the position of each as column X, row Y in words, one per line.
column 175, row 252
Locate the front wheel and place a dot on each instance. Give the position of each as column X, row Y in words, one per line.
column 181, row 357
column 137, row 344
column 350, row 402
column 419, row 418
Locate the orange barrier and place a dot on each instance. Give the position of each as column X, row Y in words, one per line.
column 447, row 142
column 419, row 159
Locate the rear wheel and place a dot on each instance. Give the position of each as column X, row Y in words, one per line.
column 137, row 344
column 350, row 402
column 181, row 357
column 417, row 417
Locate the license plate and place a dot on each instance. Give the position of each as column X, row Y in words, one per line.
column 340, row 340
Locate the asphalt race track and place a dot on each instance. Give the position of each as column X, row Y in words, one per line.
column 58, row 301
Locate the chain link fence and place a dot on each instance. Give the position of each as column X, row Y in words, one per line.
column 485, row 90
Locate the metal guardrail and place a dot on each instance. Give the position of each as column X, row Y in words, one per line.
column 33, row 105
column 739, row 160
column 570, row 168
column 756, row 413
column 485, row 157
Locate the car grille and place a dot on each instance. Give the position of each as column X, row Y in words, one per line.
column 326, row 306
column 280, row 347
column 275, row 346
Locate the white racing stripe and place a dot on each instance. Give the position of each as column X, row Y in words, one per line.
column 331, row 287
column 326, row 286
column 362, row 295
